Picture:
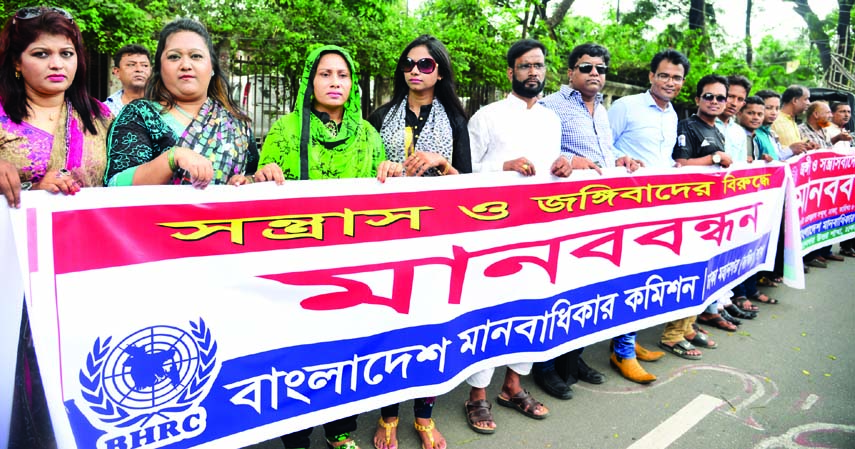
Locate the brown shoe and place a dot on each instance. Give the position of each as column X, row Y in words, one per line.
column 834, row 257
column 646, row 355
column 630, row 369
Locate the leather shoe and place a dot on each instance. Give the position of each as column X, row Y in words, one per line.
column 552, row 384
column 834, row 257
column 736, row 312
column 816, row 263
column 646, row 355
column 728, row 317
column 588, row 374
column 631, row 370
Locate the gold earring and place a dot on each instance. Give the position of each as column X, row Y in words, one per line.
column 18, row 74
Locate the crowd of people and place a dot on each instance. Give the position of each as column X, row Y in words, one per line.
column 173, row 122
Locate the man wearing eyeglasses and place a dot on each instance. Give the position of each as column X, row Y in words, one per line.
column 735, row 144
column 645, row 128
column 586, row 136
column 514, row 134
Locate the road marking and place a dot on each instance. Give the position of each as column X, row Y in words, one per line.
column 679, row 423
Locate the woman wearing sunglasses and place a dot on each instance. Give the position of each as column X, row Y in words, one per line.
column 52, row 131
column 423, row 127
column 52, row 135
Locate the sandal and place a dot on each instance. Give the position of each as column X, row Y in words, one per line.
column 428, row 429
column 702, row 341
column 736, row 312
column 479, row 411
column 763, row 298
column 345, row 439
column 681, row 349
column 717, row 321
column 524, row 403
column 766, row 282
column 699, row 329
column 387, row 426
column 744, row 304
column 848, row 252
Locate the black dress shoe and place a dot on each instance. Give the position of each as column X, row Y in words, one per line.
column 552, row 384
column 588, row 374
column 728, row 317
column 736, row 312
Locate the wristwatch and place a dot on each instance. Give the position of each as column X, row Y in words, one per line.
column 716, row 159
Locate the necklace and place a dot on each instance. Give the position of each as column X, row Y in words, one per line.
column 183, row 112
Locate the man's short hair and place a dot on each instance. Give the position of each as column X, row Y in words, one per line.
column 672, row 56
column 132, row 49
column 793, row 92
column 522, row 47
column 836, row 104
column 593, row 50
column 767, row 93
column 754, row 99
column 711, row 79
column 814, row 106
column 739, row 80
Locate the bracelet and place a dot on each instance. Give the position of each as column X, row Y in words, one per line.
column 170, row 156
column 446, row 169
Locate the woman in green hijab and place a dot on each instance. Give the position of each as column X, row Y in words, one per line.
column 326, row 137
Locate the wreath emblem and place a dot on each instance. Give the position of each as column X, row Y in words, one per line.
column 155, row 371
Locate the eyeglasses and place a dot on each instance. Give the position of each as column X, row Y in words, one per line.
column 710, row 97
column 539, row 66
column 665, row 77
column 31, row 12
column 602, row 69
column 425, row 65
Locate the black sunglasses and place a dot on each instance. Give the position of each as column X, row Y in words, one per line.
column 709, row 97
column 602, row 69
column 31, row 12
column 425, row 65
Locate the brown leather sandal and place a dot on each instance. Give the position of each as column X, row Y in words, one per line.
column 479, row 411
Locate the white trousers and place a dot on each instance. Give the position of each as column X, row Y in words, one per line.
column 481, row 379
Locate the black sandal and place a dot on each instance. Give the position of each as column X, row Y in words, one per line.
column 759, row 298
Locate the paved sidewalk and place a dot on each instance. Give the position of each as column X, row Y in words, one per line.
column 783, row 380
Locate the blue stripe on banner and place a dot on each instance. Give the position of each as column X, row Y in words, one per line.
column 314, row 377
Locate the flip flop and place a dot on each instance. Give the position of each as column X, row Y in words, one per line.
column 524, row 403
column 702, row 341
column 681, row 349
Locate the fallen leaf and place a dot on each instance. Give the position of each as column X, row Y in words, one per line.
column 832, row 357
column 616, row 435
column 767, row 379
column 804, row 334
column 796, row 348
column 744, row 334
column 827, row 374
column 806, row 372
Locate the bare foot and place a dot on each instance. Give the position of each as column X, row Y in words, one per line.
column 386, row 435
column 431, row 438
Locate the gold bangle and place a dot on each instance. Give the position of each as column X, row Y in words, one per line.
column 446, row 169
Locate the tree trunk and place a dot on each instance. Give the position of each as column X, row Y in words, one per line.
column 844, row 20
column 749, row 48
column 697, row 15
column 816, row 32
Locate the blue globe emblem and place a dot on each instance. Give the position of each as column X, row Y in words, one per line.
column 151, row 367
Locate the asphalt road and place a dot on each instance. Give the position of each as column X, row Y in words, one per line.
column 783, row 380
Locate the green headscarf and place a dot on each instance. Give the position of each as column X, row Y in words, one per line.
column 306, row 149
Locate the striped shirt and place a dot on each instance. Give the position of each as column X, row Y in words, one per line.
column 582, row 134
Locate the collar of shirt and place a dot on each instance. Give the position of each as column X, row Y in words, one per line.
column 651, row 102
column 574, row 95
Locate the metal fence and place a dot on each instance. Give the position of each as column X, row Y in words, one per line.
column 261, row 92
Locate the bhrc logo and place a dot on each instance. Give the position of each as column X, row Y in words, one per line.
column 159, row 435
column 146, row 390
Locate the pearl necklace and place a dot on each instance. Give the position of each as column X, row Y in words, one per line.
column 183, row 112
